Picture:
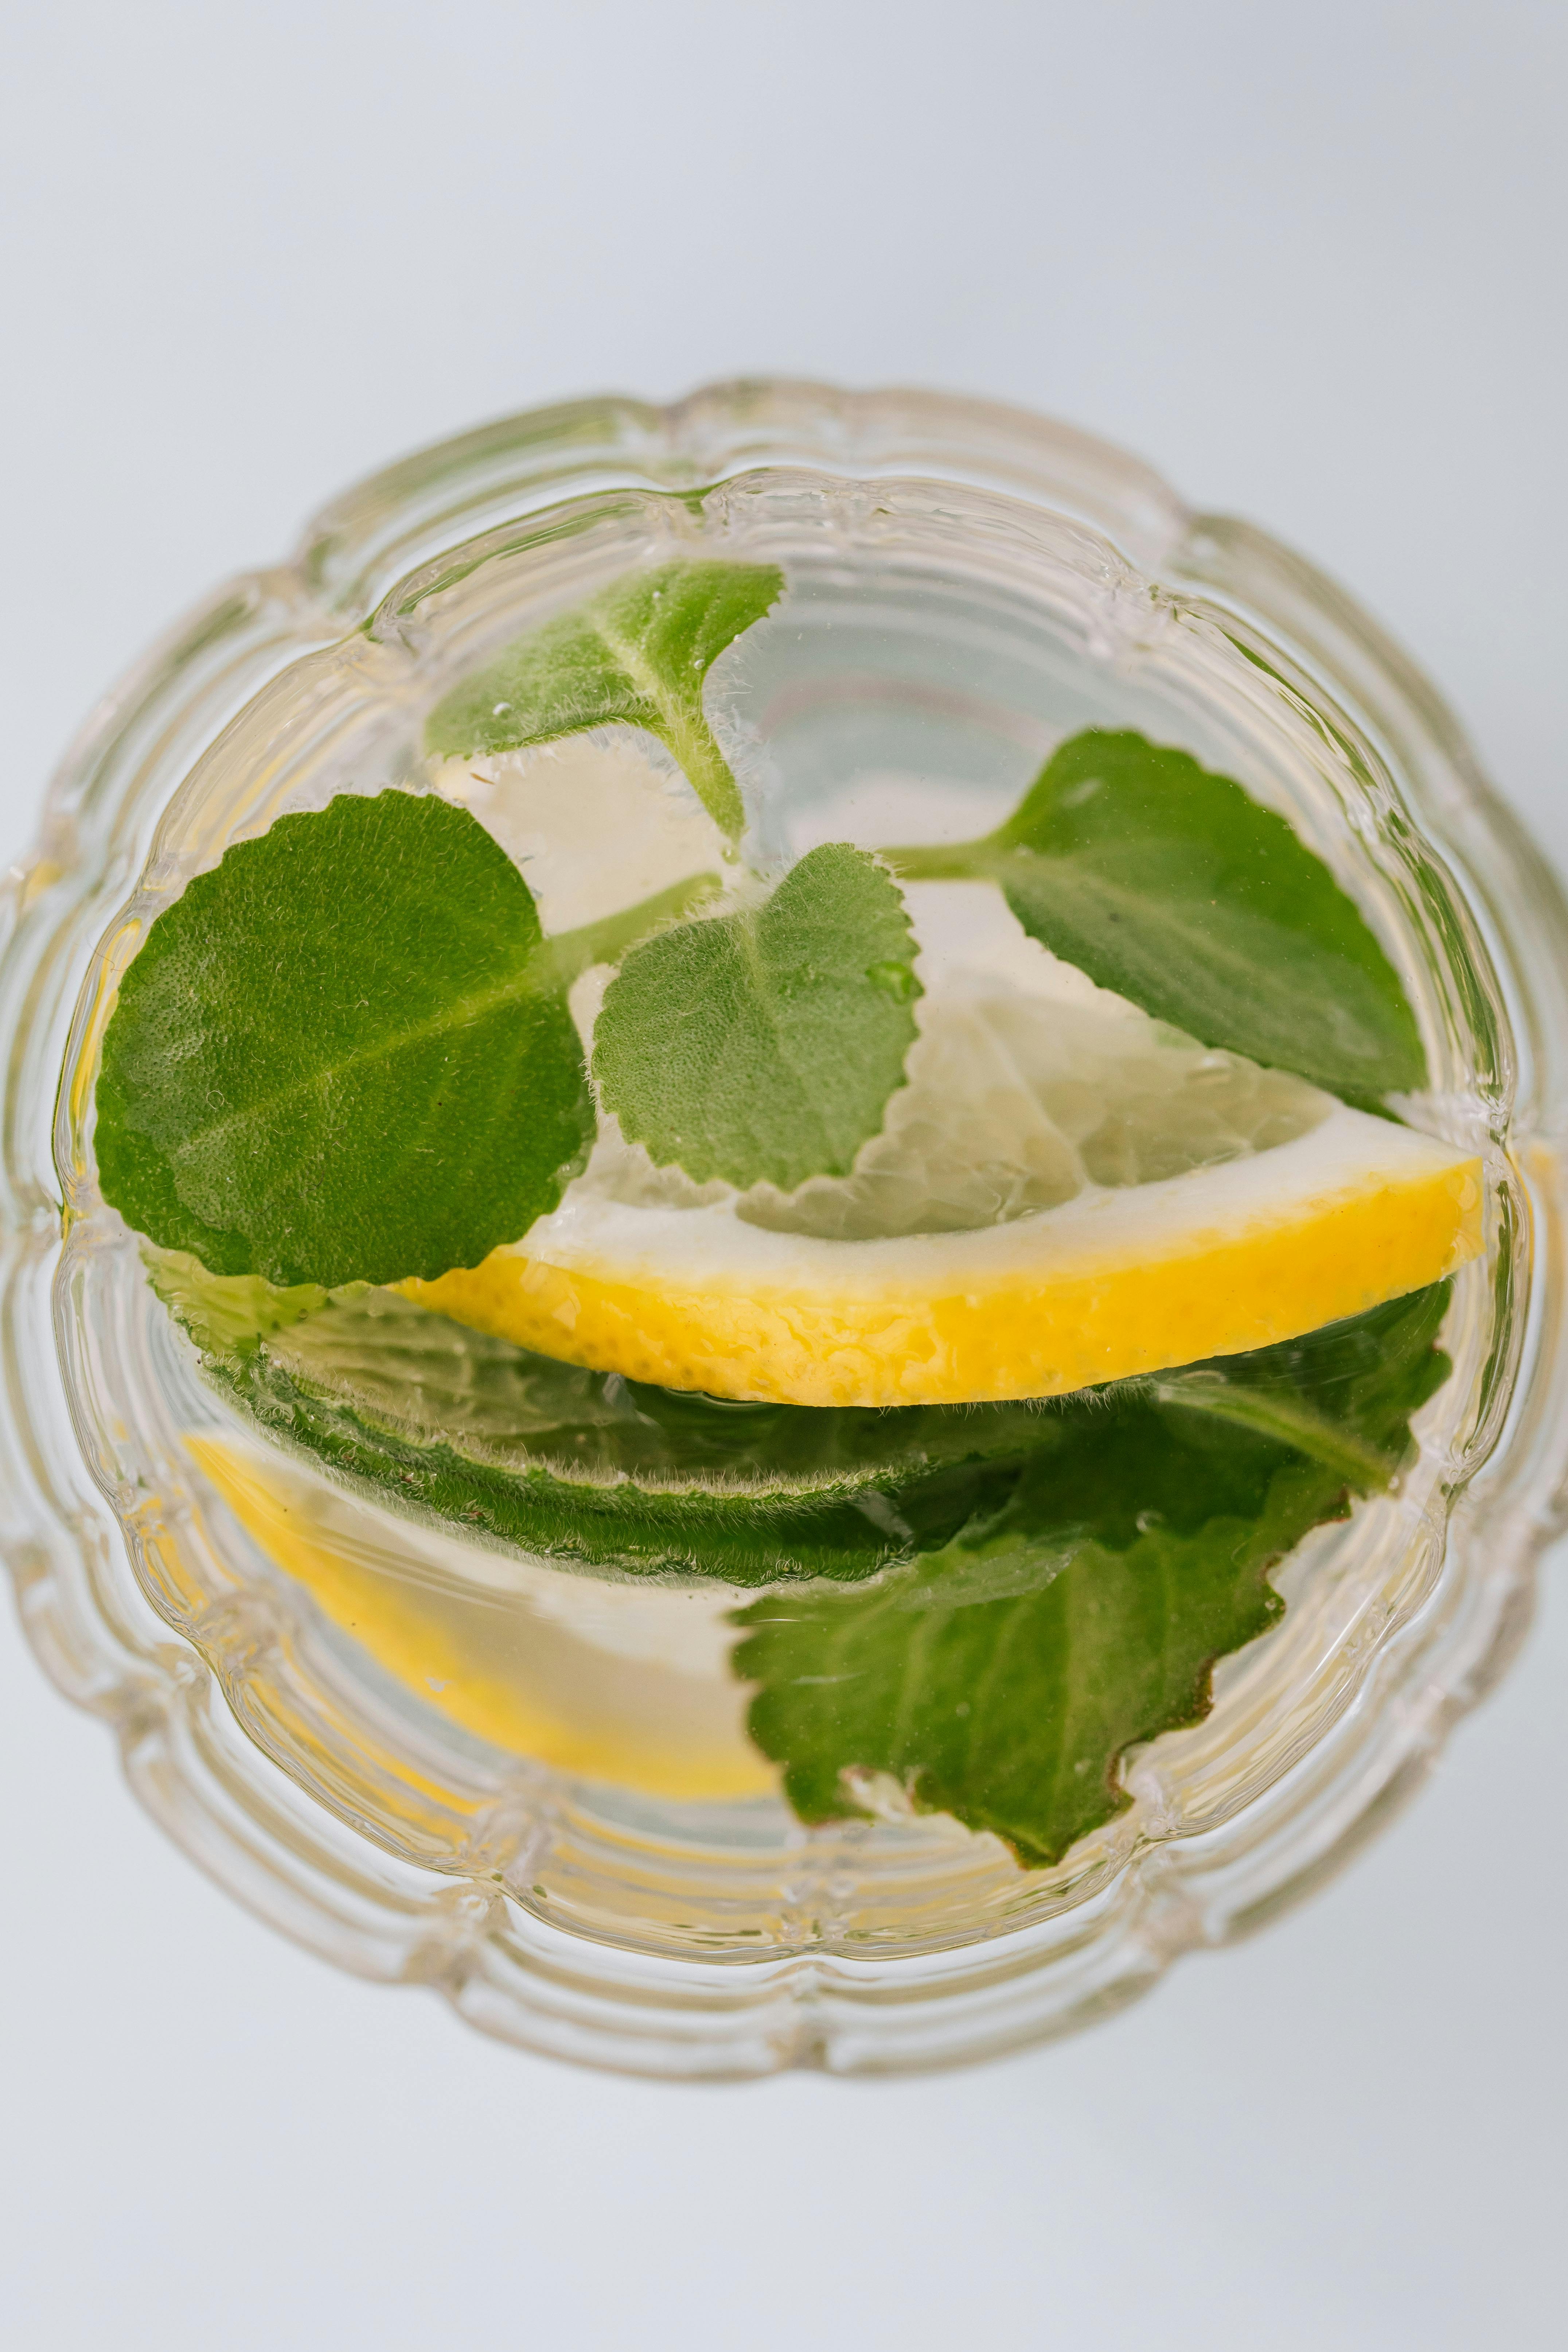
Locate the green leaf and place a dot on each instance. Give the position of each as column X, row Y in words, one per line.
column 345, row 1053
column 1009, row 1712
column 636, row 654
column 1174, row 887
column 389, row 1356
column 225, row 1314
column 765, row 1044
column 1002, row 1678
column 422, row 1414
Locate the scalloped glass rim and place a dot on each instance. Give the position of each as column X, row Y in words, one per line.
column 196, row 1717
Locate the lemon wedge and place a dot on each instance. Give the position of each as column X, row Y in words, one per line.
column 1064, row 1192
column 614, row 1682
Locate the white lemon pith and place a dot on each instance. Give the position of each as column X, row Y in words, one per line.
column 1065, row 1192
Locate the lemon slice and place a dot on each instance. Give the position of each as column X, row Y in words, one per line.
column 615, row 1681
column 1064, row 1192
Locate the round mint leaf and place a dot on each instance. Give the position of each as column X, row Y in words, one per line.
column 763, row 1045
column 341, row 1054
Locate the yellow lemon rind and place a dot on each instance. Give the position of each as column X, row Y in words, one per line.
column 1206, row 1263
column 409, row 1643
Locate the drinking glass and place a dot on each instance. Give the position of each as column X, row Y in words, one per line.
column 437, row 1762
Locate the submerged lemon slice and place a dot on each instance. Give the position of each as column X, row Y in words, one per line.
column 615, row 1681
column 1064, row 1192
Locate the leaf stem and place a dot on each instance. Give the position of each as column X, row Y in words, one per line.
column 607, row 940
column 684, row 728
column 706, row 770
column 939, row 861
column 1293, row 1424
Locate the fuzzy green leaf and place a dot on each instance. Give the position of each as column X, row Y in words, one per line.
column 636, row 654
column 1174, row 887
column 765, row 1044
column 1002, row 1678
column 420, row 1414
column 344, row 1054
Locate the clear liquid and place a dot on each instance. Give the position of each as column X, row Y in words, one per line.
column 908, row 691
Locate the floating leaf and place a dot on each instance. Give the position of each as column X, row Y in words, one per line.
column 345, row 1053
column 1174, row 887
column 637, row 654
column 763, row 1045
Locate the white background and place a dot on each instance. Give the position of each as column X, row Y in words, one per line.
column 1309, row 261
